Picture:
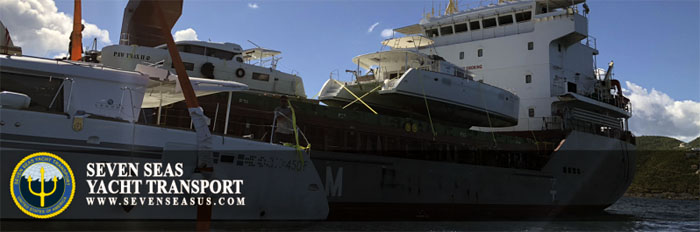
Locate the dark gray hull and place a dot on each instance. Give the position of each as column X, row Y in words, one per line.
column 578, row 178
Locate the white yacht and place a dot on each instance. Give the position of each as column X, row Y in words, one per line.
column 85, row 112
column 89, row 113
column 254, row 67
column 403, row 81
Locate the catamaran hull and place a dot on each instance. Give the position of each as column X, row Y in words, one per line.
column 275, row 187
column 577, row 178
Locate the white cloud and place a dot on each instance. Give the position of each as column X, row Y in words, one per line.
column 371, row 28
column 656, row 113
column 187, row 34
column 387, row 33
column 253, row 5
column 38, row 27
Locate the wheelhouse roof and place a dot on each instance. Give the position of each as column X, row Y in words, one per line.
column 366, row 61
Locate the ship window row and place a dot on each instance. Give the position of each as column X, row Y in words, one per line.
column 201, row 50
column 570, row 170
column 501, row 20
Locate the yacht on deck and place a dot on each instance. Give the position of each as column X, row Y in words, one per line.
column 406, row 81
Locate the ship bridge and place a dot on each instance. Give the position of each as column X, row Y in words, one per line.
column 538, row 49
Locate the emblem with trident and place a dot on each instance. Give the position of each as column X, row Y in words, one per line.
column 41, row 194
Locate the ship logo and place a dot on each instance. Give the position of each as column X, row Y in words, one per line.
column 77, row 124
column 42, row 185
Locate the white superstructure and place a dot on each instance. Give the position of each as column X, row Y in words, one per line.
column 541, row 51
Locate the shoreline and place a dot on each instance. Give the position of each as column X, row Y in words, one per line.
column 664, row 195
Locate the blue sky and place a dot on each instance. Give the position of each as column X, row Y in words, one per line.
column 655, row 44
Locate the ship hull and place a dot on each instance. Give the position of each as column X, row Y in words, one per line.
column 577, row 178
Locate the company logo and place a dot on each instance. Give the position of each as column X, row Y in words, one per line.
column 42, row 185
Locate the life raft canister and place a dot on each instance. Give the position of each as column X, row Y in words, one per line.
column 240, row 72
column 207, row 70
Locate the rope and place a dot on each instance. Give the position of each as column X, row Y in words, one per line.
column 488, row 116
column 535, row 138
column 430, row 118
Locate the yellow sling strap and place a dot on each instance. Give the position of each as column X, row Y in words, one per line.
column 353, row 94
column 363, row 95
column 296, row 136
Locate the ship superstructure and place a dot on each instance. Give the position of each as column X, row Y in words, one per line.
column 541, row 51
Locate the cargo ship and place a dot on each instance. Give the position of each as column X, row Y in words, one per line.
column 570, row 151
column 564, row 148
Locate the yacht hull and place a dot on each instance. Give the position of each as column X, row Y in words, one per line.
column 277, row 185
column 444, row 97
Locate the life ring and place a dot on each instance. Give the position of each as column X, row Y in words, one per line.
column 207, row 70
column 240, row 72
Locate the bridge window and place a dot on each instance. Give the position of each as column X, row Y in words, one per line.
column 188, row 66
column 261, row 76
column 446, row 30
column 461, row 55
column 531, row 112
column 431, row 32
column 571, row 87
column 530, row 45
column 523, row 16
column 474, row 25
column 462, row 27
column 489, row 22
column 192, row 49
column 480, row 52
column 505, row 20
column 221, row 54
column 528, row 78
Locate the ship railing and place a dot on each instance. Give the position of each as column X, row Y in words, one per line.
column 552, row 123
column 592, row 128
column 590, row 42
column 558, row 14
column 614, row 101
column 124, row 39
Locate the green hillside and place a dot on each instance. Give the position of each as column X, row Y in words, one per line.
column 657, row 143
column 664, row 170
column 695, row 143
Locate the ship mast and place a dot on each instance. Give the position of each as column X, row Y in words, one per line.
column 76, row 36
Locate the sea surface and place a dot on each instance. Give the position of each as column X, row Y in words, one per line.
column 628, row 214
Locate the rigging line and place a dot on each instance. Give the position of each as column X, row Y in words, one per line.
column 488, row 117
column 430, row 118
column 363, row 95
column 535, row 138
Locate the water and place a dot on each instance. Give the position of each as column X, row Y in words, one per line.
column 628, row 214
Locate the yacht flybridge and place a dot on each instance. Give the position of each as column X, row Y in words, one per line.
column 254, row 67
column 403, row 80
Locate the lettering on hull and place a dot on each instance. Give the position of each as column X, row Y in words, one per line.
column 334, row 186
